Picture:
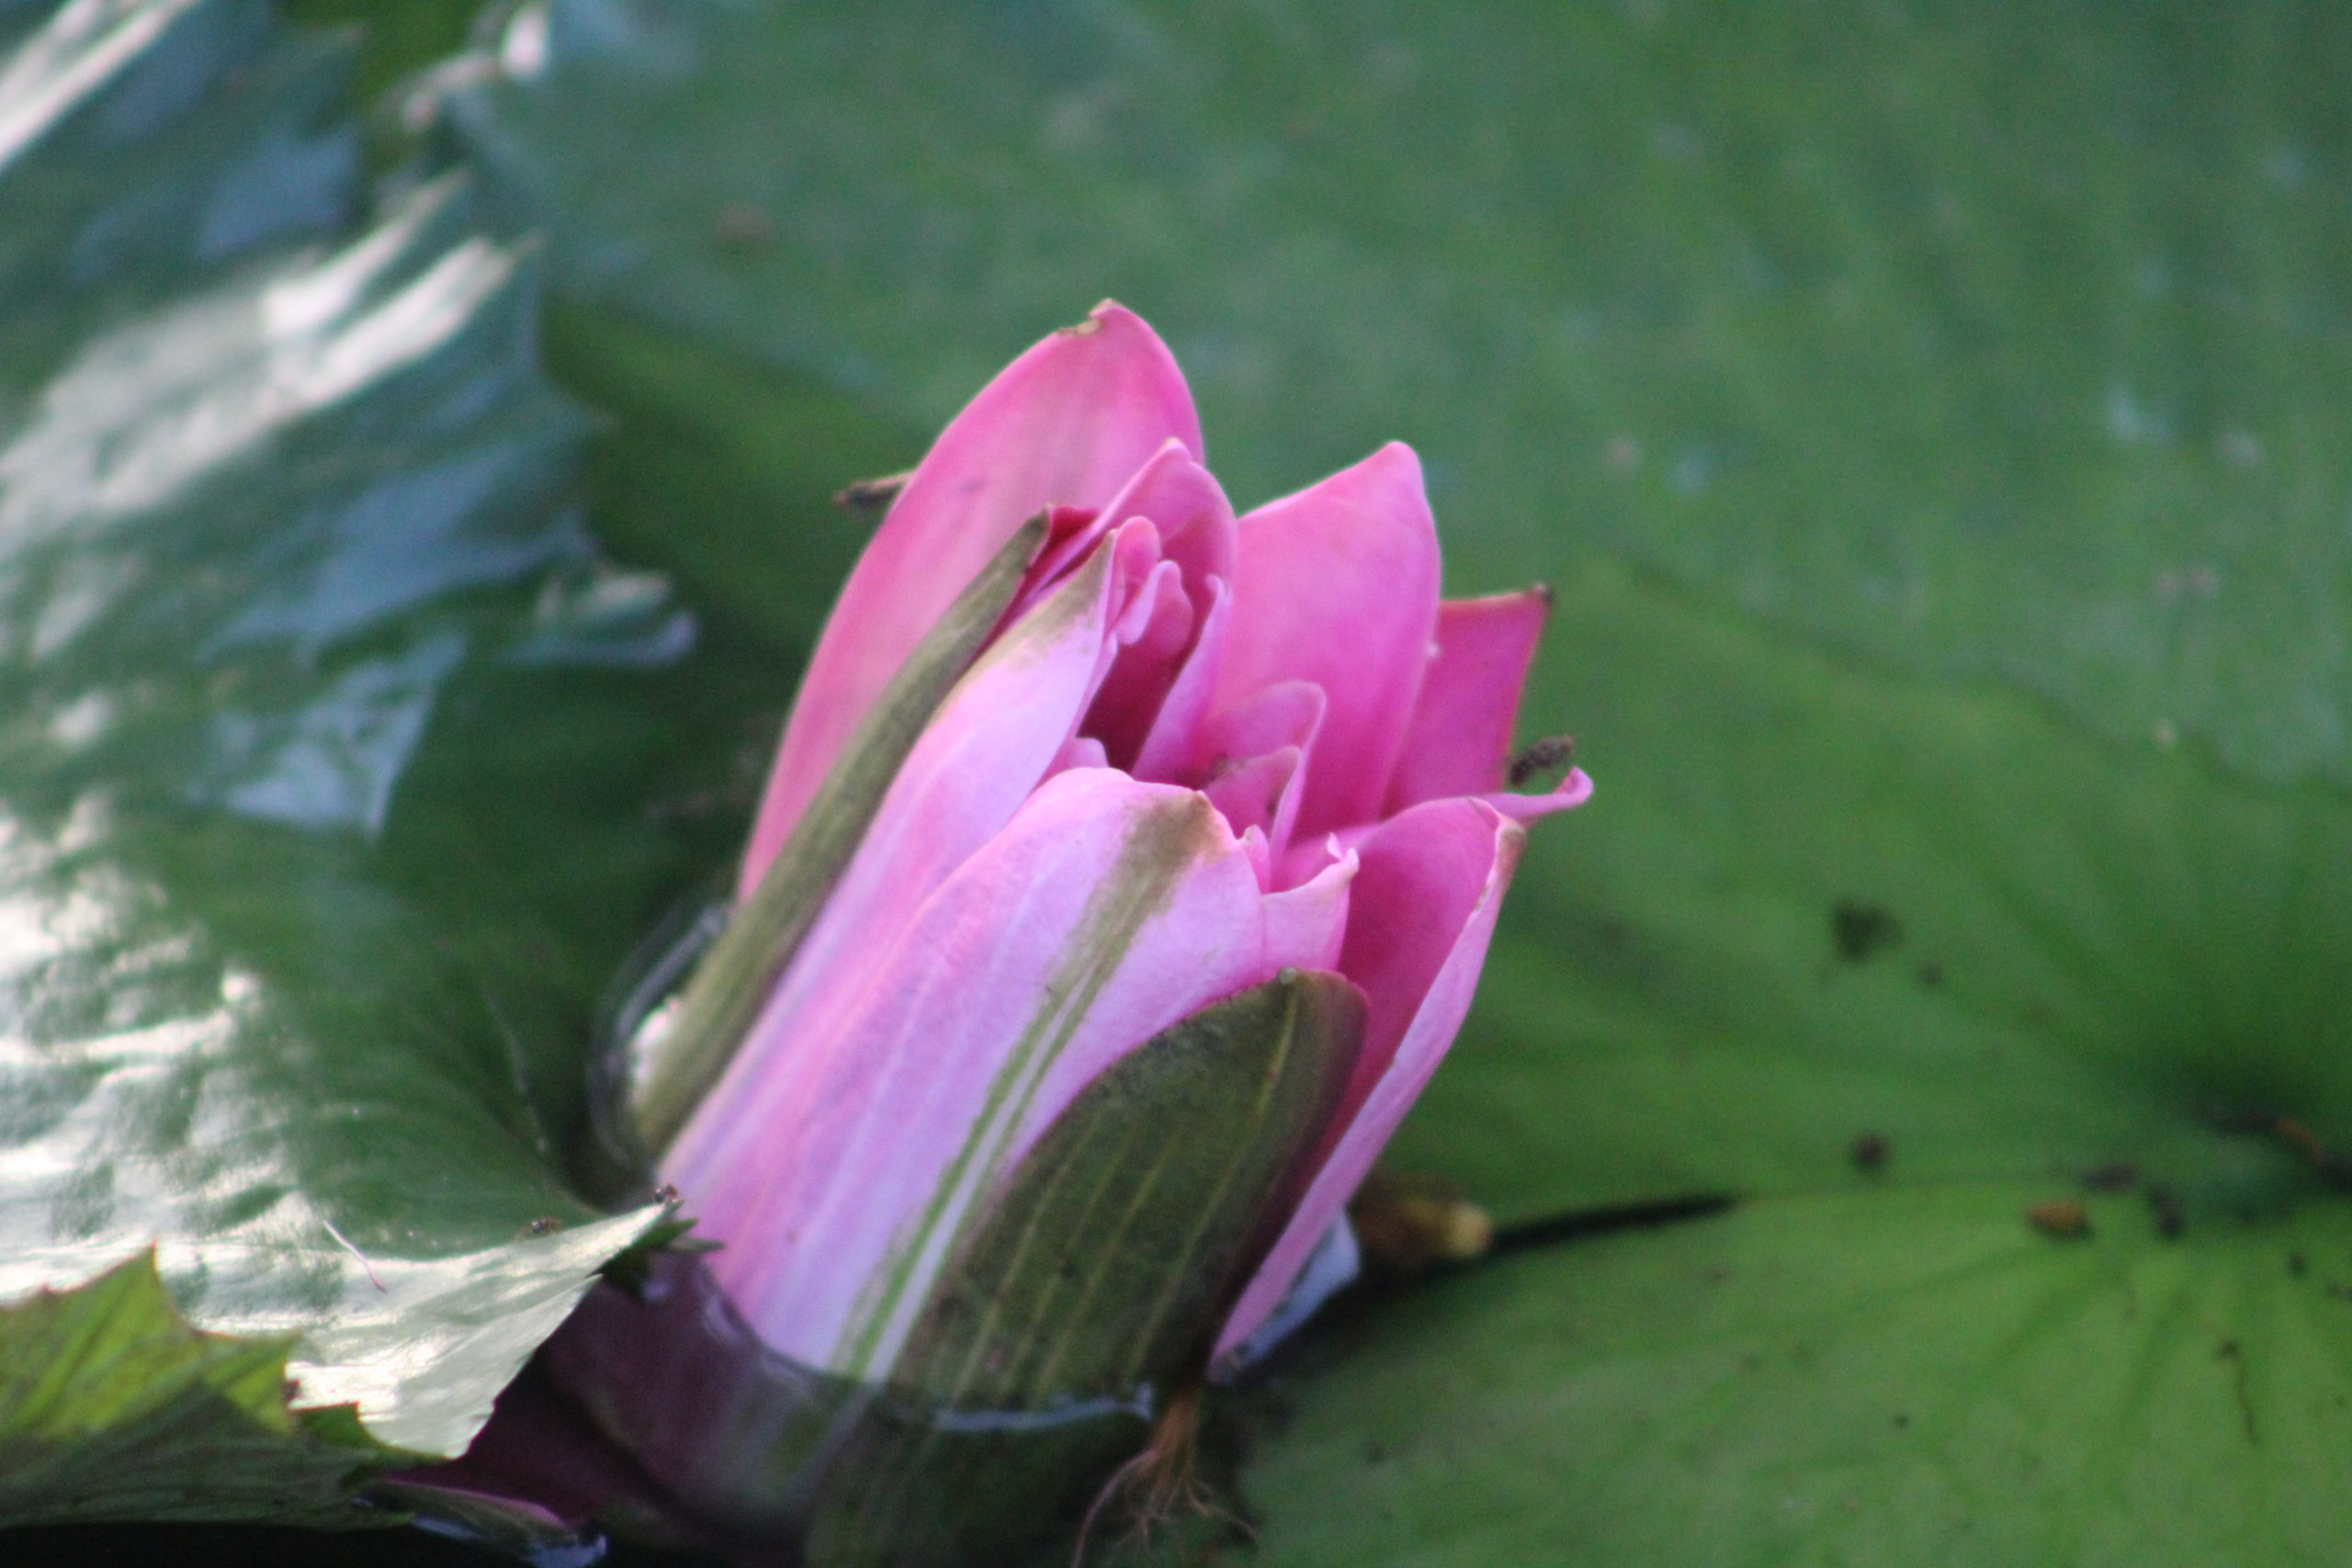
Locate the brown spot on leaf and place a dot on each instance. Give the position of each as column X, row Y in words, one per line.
column 2063, row 1217
column 2120, row 1176
column 1861, row 931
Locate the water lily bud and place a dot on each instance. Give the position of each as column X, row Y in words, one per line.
column 1123, row 857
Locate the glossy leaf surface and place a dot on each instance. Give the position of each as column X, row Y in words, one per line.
column 304, row 650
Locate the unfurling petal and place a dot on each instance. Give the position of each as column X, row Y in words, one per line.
column 1067, row 424
column 1459, row 741
column 1422, row 912
column 1169, row 747
column 1008, row 724
column 1104, row 912
column 1337, row 585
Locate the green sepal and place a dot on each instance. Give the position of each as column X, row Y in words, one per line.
column 1094, row 1286
column 113, row 1407
column 723, row 998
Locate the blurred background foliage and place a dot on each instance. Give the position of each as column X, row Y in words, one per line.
column 1932, row 418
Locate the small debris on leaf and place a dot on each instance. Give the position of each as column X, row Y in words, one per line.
column 1408, row 1222
column 2063, row 1217
column 1863, row 931
column 2120, row 1176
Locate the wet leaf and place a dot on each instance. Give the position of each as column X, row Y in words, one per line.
column 324, row 774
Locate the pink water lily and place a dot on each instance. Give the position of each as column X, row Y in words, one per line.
column 1199, row 751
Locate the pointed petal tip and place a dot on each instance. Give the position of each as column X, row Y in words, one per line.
column 1110, row 315
column 1392, row 464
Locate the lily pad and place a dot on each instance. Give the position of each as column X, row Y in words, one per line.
column 1858, row 1377
column 2026, row 1056
column 1817, row 903
column 325, row 779
column 113, row 1407
column 2001, row 341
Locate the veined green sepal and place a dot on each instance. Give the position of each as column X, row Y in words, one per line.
column 1092, row 1287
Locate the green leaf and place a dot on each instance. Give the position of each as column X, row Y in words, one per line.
column 325, row 772
column 1910, row 959
column 111, row 1406
column 2057, row 953
column 1908, row 1377
column 1996, row 340
column 755, row 455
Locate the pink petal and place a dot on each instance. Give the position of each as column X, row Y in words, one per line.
column 1067, row 422
column 1176, row 495
column 1306, row 926
column 1252, row 793
column 1008, row 723
column 1181, row 499
column 1422, row 912
column 1185, row 501
column 1290, row 713
column 1337, row 585
column 1139, row 680
column 1281, row 721
column 1168, row 749
column 1459, row 741
column 1571, row 791
column 1106, row 911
